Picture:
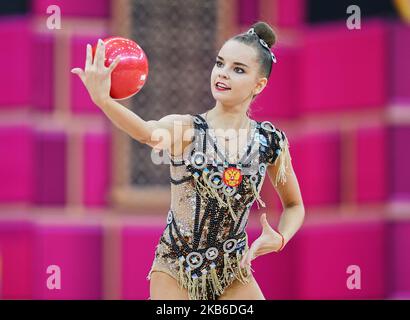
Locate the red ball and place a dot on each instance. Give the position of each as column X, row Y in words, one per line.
column 130, row 74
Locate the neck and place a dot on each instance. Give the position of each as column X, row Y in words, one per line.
column 228, row 117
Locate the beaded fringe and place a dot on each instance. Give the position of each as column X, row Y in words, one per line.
column 284, row 159
column 234, row 217
column 207, row 189
column 198, row 286
column 259, row 200
column 204, row 273
column 227, row 266
column 181, row 279
column 211, row 190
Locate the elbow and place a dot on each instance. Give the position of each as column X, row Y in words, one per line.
column 298, row 207
column 294, row 204
column 301, row 209
column 139, row 136
column 302, row 213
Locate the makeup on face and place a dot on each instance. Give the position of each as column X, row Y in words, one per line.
column 221, row 86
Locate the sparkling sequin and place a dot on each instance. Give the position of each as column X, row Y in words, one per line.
column 191, row 209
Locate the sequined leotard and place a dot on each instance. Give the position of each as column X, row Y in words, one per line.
column 205, row 238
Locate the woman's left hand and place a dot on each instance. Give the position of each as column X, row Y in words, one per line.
column 268, row 241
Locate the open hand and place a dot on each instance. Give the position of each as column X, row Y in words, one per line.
column 269, row 241
column 96, row 76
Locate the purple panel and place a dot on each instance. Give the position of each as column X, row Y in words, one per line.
column 399, row 159
column 97, row 168
column 248, row 12
column 138, row 248
column 16, row 260
column 371, row 165
column 43, row 71
column 338, row 73
column 16, row 164
column 51, row 168
column 16, row 55
column 400, row 84
column 77, row 251
column 80, row 99
column 280, row 97
column 91, row 8
column 327, row 251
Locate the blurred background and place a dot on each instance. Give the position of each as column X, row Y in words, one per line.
column 79, row 196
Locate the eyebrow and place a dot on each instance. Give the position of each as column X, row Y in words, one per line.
column 237, row 63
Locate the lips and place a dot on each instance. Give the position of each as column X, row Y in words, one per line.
column 220, row 86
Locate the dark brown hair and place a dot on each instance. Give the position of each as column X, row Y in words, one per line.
column 266, row 33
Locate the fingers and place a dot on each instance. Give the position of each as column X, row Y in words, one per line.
column 99, row 55
column 114, row 64
column 89, row 58
column 242, row 263
column 79, row 72
column 247, row 258
column 264, row 221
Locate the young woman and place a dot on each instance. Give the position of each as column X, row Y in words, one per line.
column 203, row 252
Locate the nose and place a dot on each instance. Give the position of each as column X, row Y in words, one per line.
column 222, row 74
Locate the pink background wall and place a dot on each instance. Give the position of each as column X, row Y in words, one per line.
column 341, row 96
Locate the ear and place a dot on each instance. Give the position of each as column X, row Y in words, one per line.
column 261, row 84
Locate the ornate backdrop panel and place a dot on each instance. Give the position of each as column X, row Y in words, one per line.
column 179, row 38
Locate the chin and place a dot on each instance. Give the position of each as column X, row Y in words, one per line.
column 226, row 102
column 222, row 97
column 222, row 100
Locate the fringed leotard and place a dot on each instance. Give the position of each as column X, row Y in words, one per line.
column 205, row 238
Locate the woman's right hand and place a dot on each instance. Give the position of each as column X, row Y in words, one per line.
column 96, row 77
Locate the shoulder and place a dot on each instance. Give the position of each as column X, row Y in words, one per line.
column 177, row 122
column 183, row 119
column 182, row 126
column 274, row 141
column 276, row 134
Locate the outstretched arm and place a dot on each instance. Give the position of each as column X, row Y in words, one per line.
column 97, row 80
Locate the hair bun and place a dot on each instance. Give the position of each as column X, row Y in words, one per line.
column 265, row 32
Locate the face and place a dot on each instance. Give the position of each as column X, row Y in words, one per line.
column 236, row 68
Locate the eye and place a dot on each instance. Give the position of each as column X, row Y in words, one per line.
column 237, row 68
column 218, row 63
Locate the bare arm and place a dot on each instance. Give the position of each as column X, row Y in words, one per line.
column 97, row 79
column 290, row 221
column 147, row 132
column 289, row 193
column 125, row 119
